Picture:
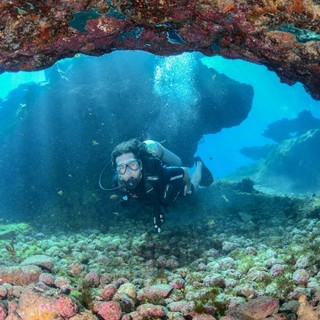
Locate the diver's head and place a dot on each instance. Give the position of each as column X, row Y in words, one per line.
column 129, row 170
column 135, row 146
column 127, row 158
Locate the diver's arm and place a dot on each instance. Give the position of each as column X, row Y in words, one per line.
column 187, row 180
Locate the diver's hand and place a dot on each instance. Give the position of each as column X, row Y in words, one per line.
column 187, row 190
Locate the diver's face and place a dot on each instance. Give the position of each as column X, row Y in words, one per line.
column 127, row 166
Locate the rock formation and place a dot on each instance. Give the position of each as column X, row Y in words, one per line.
column 59, row 135
column 293, row 165
column 285, row 128
column 282, row 35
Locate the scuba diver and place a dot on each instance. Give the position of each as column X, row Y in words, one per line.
column 149, row 172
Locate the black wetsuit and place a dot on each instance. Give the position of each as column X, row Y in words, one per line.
column 159, row 187
column 169, row 186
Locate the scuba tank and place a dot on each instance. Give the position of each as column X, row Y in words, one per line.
column 162, row 153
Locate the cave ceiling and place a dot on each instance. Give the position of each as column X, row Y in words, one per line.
column 283, row 35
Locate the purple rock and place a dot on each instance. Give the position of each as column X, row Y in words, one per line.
column 277, row 270
column 150, row 310
column 255, row 309
column 177, row 306
column 154, row 293
column 214, row 280
column 92, row 279
column 300, row 276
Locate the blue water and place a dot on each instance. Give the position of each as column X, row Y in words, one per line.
column 273, row 100
column 11, row 80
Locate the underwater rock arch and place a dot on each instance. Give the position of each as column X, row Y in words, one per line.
column 282, row 35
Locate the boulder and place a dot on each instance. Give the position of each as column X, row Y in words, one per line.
column 107, row 310
column 22, row 275
column 41, row 261
column 154, row 294
column 36, row 305
column 255, row 309
column 293, row 166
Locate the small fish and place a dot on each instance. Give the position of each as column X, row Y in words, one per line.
column 113, row 197
column 224, row 197
column 95, row 142
column 60, row 192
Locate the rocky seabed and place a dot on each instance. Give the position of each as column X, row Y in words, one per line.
column 198, row 272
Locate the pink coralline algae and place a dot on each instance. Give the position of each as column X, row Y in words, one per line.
column 66, row 306
column 3, row 312
column 154, row 293
column 108, row 310
column 34, row 305
column 237, row 280
column 177, row 306
column 61, row 281
column 151, row 310
column 92, row 279
column 108, row 292
column 178, row 283
column 258, row 308
column 23, row 275
column 75, row 269
column 12, row 307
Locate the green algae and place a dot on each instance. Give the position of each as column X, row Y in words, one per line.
column 76, row 294
column 9, row 231
column 32, row 250
column 210, row 299
column 83, row 296
column 246, row 262
column 284, row 285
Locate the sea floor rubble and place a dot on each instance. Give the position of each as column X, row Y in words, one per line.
column 242, row 255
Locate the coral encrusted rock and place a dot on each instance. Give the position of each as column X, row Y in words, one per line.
column 283, row 35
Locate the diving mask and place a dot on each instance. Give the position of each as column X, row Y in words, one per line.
column 132, row 164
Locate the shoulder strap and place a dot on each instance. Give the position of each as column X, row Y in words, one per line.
column 152, row 174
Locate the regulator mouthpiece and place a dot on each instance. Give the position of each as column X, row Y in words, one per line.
column 131, row 183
